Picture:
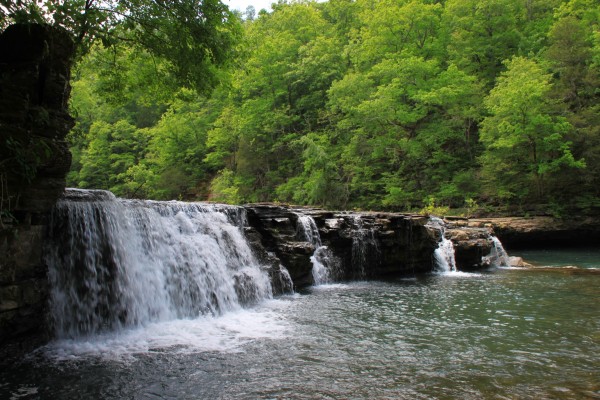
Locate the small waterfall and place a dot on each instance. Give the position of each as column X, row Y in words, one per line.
column 322, row 260
column 117, row 263
column 281, row 279
column 308, row 228
column 444, row 254
column 498, row 257
column 364, row 247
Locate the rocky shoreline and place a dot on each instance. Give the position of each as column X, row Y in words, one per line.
column 365, row 245
column 542, row 231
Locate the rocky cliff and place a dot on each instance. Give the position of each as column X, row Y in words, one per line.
column 35, row 63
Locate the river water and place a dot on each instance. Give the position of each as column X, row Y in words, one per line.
column 582, row 257
column 504, row 334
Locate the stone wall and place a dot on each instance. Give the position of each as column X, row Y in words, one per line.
column 35, row 64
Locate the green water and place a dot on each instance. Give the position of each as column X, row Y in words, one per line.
column 507, row 334
column 585, row 257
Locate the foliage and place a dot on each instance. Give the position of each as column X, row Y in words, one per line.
column 192, row 37
column 432, row 209
column 524, row 141
column 223, row 188
column 395, row 104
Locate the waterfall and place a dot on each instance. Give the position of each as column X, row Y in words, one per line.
column 498, row 257
column 308, row 229
column 444, row 254
column 116, row 263
column 322, row 260
column 365, row 250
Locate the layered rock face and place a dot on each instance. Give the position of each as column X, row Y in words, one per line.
column 35, row 63
column 542, row 231
column 363, row 245
column 471, row 243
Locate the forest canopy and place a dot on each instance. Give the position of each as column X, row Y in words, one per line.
column 386, row 104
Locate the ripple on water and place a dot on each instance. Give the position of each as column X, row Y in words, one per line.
column 508, row 334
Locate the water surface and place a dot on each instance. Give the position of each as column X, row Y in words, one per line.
column 584, row 257
column 500, row 335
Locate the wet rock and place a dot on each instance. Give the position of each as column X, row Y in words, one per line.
column 471, row 245
column 365, row 245
column 518, row 262
column 35, row 64
column 276, row 232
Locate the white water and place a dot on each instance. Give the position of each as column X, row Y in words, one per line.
column 498, row 257
column 321, row 258
column 308, row 228
column 119, row 265
column 224, row 333
column 444, row 254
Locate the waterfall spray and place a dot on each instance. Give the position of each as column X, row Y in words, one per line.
column 498, row 257
column 444, row 254
column 322, row 259
column 117, row 263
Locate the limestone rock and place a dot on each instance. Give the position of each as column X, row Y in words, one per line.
column 542, row 231
column 518, row 262
column 366, row 245
column 471, row 245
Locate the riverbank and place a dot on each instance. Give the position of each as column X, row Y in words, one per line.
column 542, row 231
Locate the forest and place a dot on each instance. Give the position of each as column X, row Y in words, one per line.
column 386, row 105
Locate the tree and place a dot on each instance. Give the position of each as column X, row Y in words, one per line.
column 524, row 141
column 482, row 34
column 278, row 96
column 177, row 148
column 572, row 54
column 408, row 127
column 369, row 104
column 391, row 28
column 113, row 149
column 193, row 36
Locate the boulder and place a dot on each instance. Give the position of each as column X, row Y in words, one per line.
column 471, row 245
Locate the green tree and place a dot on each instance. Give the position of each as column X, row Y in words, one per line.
column 278, row 96
column 573, row 57
column 177, row 148
column 482, row 34
column 390, row 28
column 524, row 141
column 407, row 127
column 193, row 36
column 113, row 149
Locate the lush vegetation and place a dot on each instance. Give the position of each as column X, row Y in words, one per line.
column 386, row 104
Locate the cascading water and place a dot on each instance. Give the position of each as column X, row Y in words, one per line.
column 364, row 247
column 117, row 263
column 498, row 257
column 444, row 254
column 308, row 228
column 322, row 260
